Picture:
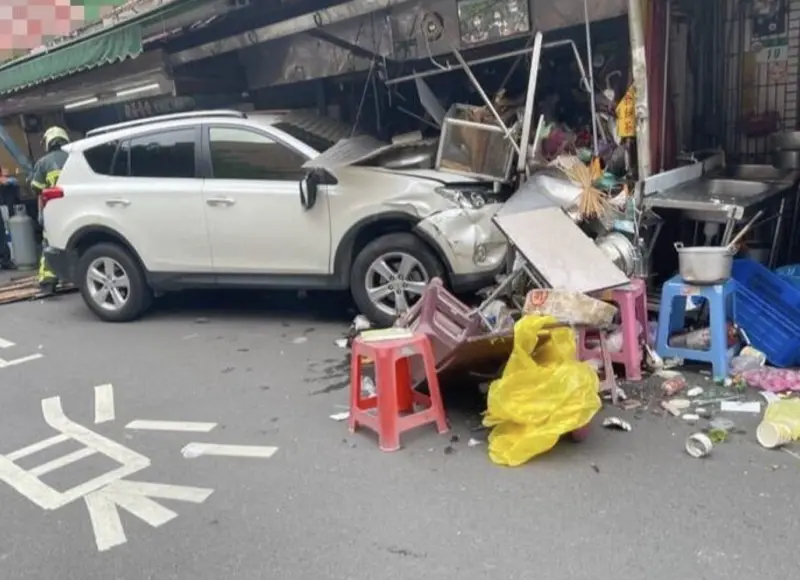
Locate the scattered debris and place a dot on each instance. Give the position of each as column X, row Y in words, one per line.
column 722, row 424
column 474, row 442
column 616, row 423
column 703, row 412
column 341, row 342
column 699, row 445
column 670, row 409
column 630, row 404
column 740, row 407
column 691, row 417
column 674, row 383
column 343, row 416
column 694, row 392
column 368, row 388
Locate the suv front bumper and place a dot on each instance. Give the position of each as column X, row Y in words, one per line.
column 475, row 250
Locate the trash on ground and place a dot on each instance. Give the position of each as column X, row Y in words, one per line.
column 691, row 417
column 781, row 424
column 361, row 323
column 699, row 445
column 670, row 409
column 543, row 394
column 341, row 342
column 703, row 412
column 674, row 385
column 681, row 404
column 773, row 379
column 300, row 340
column 343, row 416
column 722, row 423
column 368, row 388
column 616, row 423
column 694, row 392
column 740, row 407
column 474, row 442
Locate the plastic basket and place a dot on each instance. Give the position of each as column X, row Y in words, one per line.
column 768, row 328
column 790, row 273
column 782, row 295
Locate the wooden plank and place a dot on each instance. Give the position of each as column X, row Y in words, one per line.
column 559, row 250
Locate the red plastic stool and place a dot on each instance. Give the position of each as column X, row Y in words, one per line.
column 390, row 411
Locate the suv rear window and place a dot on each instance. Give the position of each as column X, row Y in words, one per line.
column 99, row 158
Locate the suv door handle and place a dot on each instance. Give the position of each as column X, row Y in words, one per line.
column 116, row 202
column 217, row 201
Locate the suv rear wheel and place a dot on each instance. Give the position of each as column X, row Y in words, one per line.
column 390, row 274
column 112, row 283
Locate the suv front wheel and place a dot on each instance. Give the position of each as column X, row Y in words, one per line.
column 390, row 274
column 112, row 283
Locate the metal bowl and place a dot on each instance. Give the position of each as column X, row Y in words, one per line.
column 789, row 140
column 786, row 158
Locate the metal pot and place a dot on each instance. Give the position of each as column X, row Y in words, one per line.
column 786, row 158
column 704, row 265
column 620, row 250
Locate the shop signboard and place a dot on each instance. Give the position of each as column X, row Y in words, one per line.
column 84, row 120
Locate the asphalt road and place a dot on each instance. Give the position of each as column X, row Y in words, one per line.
column 329, row 505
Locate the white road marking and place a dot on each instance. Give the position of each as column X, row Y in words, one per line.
column 191, row 426
column 134, row 497
column 18, row 361
column 103, row 404
column 6, row 343
column 197, row 449
column 62, row 461
column 36, row 447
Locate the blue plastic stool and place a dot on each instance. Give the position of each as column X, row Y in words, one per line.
column 672, row 315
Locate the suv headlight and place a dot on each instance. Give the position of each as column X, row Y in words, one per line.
column 463, row 198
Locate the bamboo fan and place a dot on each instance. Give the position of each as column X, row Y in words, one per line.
column 592, row 202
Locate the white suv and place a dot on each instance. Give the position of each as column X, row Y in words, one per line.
column 223, row 199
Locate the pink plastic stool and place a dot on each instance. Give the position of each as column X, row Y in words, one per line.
column 632, row 303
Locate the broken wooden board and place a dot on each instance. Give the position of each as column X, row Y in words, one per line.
column 27, row 288
column 559, row 250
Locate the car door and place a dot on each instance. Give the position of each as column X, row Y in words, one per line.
column 256, row 221
column 158, row 204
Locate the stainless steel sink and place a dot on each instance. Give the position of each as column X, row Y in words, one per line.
column 735, row 187
column 754, row 173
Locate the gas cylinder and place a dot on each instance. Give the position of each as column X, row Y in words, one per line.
column 23, row 239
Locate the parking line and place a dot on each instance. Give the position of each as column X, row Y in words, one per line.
column 190, row 426
column 6, row 343
column 62, row 461
column 197, row 449
column 103, row 403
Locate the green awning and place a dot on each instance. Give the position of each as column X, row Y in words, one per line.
column 106, row 48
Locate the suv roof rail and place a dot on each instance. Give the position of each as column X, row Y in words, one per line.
column 160, row 118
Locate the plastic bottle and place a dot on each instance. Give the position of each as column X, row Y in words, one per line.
column 23, row 239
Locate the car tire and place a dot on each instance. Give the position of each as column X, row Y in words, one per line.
column 138, row 296
column 390, row 245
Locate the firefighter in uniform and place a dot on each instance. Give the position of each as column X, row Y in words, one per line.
column 45, row 174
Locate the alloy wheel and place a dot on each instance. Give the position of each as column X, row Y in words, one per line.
column 395, row 281
column 108, row 284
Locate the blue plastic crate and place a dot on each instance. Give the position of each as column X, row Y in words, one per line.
column 782, row 295
column 768, row 329
column 790, row 273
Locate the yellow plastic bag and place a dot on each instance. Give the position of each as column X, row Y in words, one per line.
column 541, row 396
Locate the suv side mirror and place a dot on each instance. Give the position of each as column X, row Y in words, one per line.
column 309, row 186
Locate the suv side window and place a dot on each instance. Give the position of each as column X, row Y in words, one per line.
column 164, row 155
column 243, row 154
column 100, row 157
